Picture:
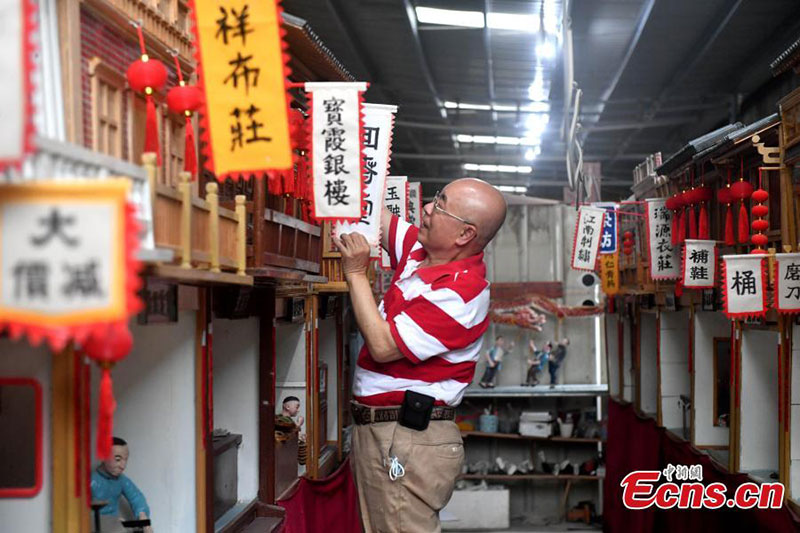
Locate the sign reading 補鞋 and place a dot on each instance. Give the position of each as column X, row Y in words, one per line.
column 66, row 258
column 586, row 242
column 699, row 264
column 242, row 73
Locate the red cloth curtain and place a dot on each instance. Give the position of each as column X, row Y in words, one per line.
column 327, row 505
column 636, row 443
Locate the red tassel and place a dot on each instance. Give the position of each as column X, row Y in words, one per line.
column 744, row 225
column 151, row 130
column 682, row 227
column 105, row 415
column 189, row 153
column 675, row 229
column 692, row 223
column 702, row 229
column 730, row 240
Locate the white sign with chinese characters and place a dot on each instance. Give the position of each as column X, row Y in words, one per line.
column 608, row 242
column 586, row 243
column 665, row 260
column 336, row 149
column 15, row 91
column 378, row 124
column 699, row 264
column 415, row 203
column 744, row 292
column 396, row 201
column 787, row 283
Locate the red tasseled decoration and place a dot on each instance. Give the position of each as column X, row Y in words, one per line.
column 189, row 154
column 151, row 130
column 730, row 239
column 105, row 415
column 692, row 223
column 702, row 223
column 682, row 227
column 744, row 225
column 675, row 228
column 274, row 182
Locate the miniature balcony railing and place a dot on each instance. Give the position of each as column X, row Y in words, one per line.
column 61, row 160
column 198, row 231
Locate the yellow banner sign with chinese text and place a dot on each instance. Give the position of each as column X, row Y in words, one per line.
column 609, row 273
column 242, row 73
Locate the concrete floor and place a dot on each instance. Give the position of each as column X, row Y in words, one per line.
column 571, row 526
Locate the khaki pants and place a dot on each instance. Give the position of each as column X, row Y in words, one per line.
column 432, row 460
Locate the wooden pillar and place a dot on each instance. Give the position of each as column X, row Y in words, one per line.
column 204, row 474
column 266, row 397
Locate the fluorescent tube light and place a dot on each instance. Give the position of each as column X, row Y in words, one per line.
column 450, row 17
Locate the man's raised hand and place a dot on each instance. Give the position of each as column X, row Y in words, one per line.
column 355, row 253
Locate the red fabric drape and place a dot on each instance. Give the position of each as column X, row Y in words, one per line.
column 327, row 505
column 636, row 443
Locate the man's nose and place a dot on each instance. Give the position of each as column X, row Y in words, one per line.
column 428, row 208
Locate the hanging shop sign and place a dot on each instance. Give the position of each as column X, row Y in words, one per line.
column 608, row 241
column 336, row 135
column 787, row 283
column 586, row 242
column 242, row 71
column 377, row 146
column 609, row 273
column 664, row 256
column 415, row 203
column 66, row 254
column 396, row 201
column 699, row 264
column 745, row 278
column 16, row 104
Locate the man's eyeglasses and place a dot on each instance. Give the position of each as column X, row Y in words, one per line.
column 436, row 206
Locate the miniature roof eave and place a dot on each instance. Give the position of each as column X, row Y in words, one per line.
column 646, row 188
column 789, row 58
column 735, row 141
column 685, row 154
column 309, row 56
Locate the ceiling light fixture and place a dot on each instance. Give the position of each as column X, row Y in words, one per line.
column 511, row 188
column 490, row 139
column 450, row 17
column 513, row 21
column 533, row 107
column 498, row 168
column 546, row 50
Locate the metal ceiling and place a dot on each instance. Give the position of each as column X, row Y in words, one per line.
column 654, row 74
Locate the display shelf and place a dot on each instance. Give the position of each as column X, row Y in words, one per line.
column 529, row 477
column 517, row 436
column 537, row 391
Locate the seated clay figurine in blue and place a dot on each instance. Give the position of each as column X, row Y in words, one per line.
column 109, row 483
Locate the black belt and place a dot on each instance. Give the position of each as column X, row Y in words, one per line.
column 364, row 414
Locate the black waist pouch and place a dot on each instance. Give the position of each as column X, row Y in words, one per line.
column 415, row 413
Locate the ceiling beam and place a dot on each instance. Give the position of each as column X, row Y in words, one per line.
column 517, row 183
column 719, row 21
column 510, row 158
column 492, row 130
column 487, row 48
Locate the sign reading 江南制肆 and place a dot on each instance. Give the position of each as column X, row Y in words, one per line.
column 66, row 259
column 586, row 242
column 241, row 69
column 665, row 259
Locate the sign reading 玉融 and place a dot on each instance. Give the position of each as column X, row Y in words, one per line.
column 396, row 201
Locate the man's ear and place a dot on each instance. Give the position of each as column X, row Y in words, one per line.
column 468, row 234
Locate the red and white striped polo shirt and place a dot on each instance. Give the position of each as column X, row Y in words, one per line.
column 437, row 316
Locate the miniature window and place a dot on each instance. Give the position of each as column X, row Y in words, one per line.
column 21, row 438
column 722, row 376
column 107, row 87
column 175, row 143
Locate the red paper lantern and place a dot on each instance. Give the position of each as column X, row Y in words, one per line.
column 628, row 235
column 760, row 196
column 741, row 190
column 184, row 98
column 760, row 210
column 724, row 195
column 146, row 73
column 760, row 225
column 703, row 193
column 670, row 203
column 759, row 239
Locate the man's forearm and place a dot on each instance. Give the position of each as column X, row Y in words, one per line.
column 375, row 330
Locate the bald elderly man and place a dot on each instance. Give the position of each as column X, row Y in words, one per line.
column 421, row 347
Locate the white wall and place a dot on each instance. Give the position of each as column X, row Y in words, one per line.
column 759, row 425
column 674, row 366
column 627, row 360
column 794, row 429
column 236, row 370
column 612, row 345
column 155, row 394
column 707, row 326
column 29, row 515
column 327, row 355
column 648, row 360
column 290, row 353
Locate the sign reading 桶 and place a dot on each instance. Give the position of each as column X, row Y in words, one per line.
column 664, row 258
column 609, row 273
column 415, row 203
column 787, row 283
column 336, row 140
column 744, row 291
column 586, row 243
column 396, row 201
column 66, row 258
column 241, row 71
column 608, row 241
column 377, row 141
column 16, row 135
column 699, row 264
